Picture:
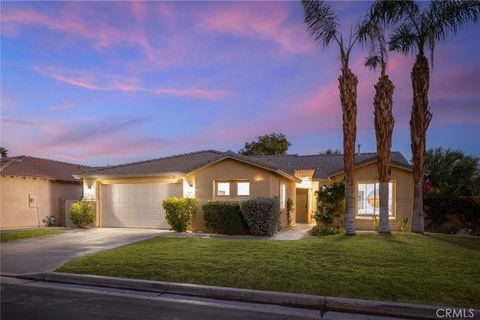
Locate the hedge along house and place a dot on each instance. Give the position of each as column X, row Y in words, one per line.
column 131, row 195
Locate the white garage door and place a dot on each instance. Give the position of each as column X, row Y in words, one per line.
column 137, row 205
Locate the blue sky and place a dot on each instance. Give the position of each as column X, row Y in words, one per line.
column 110, row 82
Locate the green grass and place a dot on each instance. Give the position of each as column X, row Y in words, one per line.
column 6, row 236
column 432, row 269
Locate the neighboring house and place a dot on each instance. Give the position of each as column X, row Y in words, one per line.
column 32, row 188
column 131, row 195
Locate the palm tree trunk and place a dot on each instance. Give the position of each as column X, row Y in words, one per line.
column 419, row 122
column 348, row 98
column 384, row 122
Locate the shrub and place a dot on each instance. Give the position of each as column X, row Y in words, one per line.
column 180, row 212
column 331, row 205
column 262, row 215
column 404, row 224
column 81, row 213
column 224, row 217
column 320, row 230
column 290, row 209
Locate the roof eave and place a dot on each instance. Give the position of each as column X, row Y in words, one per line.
column 128, row 175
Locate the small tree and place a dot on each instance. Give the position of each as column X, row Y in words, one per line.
column 81, row 213
column 269, row 144
column 180, row 212
column 3, row 152
column 331, row 205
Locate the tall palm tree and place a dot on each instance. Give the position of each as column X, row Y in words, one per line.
column 417, row 28
column 323, row 24
column 372, row 32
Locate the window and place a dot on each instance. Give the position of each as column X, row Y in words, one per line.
column 243, row 188
column 223, row 188
column 368, row 202
column 283, row 196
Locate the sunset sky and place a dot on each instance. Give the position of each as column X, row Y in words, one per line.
column 110, row 82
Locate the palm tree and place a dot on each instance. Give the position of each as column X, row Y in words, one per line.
column 323, row 24
column 417, row 28
column 3, row 152
column 371, row 31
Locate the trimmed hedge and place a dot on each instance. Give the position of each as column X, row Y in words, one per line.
column 224, row 217
column 262, row 215
column 180, row 212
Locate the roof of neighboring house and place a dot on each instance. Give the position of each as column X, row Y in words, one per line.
column 182, row 163
column 326, row 165
column 286, row 165
column 40, row 168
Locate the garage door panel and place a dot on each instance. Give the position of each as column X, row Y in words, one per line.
column 137, row 205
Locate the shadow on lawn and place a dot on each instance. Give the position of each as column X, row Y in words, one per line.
column 387, row 237
column 460, row 241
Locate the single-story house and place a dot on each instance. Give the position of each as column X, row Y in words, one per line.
column 131, row 194
column 33, row 188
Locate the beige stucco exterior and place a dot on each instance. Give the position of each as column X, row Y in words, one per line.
column 402, row 194
column 201, row 185
column 15, row 192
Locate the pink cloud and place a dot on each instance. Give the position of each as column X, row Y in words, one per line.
column 111, row 83
column 63, row 106
column 257, row 22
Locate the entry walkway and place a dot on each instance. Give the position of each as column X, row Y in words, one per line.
column 298, row 231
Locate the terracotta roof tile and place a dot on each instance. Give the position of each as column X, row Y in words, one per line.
column 40, row 168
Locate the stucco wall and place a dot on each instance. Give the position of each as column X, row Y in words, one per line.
column 14, row 195
column 403, row 190
column 263, row 183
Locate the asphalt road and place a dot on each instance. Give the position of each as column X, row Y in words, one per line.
column 21, row 299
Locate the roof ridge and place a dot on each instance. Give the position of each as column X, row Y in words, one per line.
column 53, row 160
column 152, row 160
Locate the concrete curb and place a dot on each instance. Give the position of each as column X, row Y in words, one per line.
column 322, row 303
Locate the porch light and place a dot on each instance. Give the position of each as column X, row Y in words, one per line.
column 258, row 178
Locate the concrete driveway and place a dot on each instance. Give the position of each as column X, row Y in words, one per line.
column 48, row 253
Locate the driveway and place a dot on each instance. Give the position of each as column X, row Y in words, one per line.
column 50, row 252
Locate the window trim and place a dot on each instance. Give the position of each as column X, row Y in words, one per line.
column 369, row 216
column 217, row 182
column 283, row 204
column 243, row 181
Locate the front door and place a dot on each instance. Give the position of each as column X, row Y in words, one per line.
column 302, row 206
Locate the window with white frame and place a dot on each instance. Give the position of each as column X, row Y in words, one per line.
column 223, row 188
column 243, row 188
column 368, row 199
column 283, row 196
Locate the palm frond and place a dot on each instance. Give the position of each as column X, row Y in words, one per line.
column 404, row 39
column 390, row 12
column 445, row 18
column 321, row 21
column 373, row 62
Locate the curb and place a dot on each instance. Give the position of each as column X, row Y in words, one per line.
column 322, row 303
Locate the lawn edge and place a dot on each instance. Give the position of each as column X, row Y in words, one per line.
column 322, row 303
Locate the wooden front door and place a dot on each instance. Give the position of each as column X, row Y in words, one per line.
column 301, row 207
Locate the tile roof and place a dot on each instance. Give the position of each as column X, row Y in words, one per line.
column 327, row 164
column 40, row 168
column 324, row 165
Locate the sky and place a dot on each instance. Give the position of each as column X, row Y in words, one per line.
column 111, row 82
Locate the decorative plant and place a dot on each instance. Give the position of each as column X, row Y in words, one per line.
column 81, row 213
column 404, row 224
column 331, row 205
column 290, row 209
column 49, row 220
column 375, row 222
column 180, row 212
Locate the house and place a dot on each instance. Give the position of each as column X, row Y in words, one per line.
column 32, row 188
column 131, row 195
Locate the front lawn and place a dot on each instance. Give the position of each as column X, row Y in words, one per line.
column 6, row 236
column 432, row 269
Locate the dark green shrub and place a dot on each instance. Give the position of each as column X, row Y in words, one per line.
column 180, row 212
column 262, row 215
column 81, row 213
column 331, row 205
column 320, row 230
column 290, row 209
column 224, row 217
